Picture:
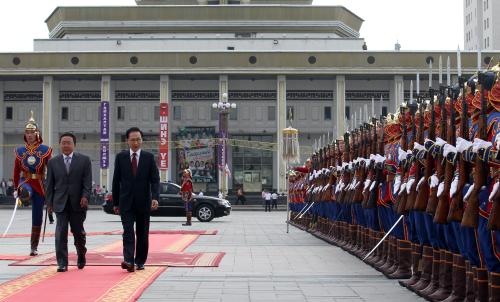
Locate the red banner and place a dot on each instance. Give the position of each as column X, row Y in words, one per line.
column 163, row 152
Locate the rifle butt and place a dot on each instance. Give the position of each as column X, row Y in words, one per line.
column 433, row 201
column 401, row 207
column 422, row 196
column 443, row 208
column 410, row 200
column 471, row 213
column 494, row 219
column 456, row 212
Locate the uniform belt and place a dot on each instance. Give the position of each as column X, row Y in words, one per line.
column 28, row 175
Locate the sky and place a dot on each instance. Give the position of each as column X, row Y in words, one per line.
column 416, row 24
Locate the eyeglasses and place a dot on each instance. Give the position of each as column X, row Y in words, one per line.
column 135, row 139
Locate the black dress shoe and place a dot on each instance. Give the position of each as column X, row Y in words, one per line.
column 81, row 261
column 128, row 266
column 62, row 268
column 140, row 267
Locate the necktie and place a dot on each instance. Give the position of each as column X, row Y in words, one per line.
column 67, row 162
column 134, row 163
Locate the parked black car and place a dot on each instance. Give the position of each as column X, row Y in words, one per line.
column 205, row 208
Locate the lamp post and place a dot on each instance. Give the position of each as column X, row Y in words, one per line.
column 224, row 108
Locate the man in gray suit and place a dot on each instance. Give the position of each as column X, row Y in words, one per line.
column 69, row 181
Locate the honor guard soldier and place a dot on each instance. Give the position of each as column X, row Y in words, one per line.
column 187, row 195
column 29, row 173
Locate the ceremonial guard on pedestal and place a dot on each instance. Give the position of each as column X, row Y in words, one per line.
column 29, row 174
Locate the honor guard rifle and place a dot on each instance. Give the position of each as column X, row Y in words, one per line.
column 417, row 135
column 471, row 213
column 457, row 201
column 401, row 199
column 443, row 206
column 438, row 154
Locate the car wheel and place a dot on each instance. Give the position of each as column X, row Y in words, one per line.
column 205, row 213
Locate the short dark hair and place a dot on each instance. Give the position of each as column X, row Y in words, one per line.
column 134, row 129
column 68, row 134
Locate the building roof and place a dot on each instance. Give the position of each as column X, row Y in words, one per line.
column 148, row 19
column 198, row 2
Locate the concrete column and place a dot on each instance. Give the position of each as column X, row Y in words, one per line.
column 107, row 95
column 398, row 93
column 340, row 112
column 281, row 124
column 51, row 114
column 3, row 149
column 223, row 88
column 165, row 97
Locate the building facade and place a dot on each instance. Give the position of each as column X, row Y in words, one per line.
column 271, row 58
column 481, row 28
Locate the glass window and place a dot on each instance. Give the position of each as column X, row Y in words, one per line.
column 214, row 114
column 157, row 113
column 271, row 113
column 290, row 112
column 64, row 113
column 384, row 110
column 121, row 113
column 8, row 113
column 177, row 113
column 347, row 112
column 327, row 113
column 233, row 114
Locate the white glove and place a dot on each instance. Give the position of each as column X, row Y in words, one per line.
column 469, row 192
column 15, row 194
column 434, row 181
column 494, row 191
column 454, row 186
column 397, row 184
column 367, row 184
column 373, row 185
column 440, row 189
column 402, row 188
column 409, row 184
column 420, row 182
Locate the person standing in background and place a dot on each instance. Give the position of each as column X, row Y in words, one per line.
column 274, row 197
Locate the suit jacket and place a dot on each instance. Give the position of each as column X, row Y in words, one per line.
column 136, row 190
column 62, row 187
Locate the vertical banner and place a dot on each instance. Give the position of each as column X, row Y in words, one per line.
column 163, row 152
column 104, row 135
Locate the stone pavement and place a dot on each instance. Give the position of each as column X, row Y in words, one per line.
column 262, row 262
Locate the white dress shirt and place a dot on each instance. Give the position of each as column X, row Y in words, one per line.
column 137, row 155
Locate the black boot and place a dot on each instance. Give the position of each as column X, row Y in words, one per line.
column 188, row 219
column 35, row 238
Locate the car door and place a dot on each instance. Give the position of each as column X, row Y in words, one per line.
column 175, row 200
column 168, row 204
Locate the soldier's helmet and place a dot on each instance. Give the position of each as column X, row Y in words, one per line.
column 31, row 125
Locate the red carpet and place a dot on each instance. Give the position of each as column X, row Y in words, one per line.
column 112, row 258
column 14, row 257
column 119, row 232
column 90, row 284
column 103, row 283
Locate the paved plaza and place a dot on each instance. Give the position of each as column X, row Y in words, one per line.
column 262, row 262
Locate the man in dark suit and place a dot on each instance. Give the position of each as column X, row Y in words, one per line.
column 69, row 181
column 136, row 184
